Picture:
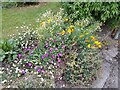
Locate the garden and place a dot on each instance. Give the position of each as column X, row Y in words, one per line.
column 60, row 44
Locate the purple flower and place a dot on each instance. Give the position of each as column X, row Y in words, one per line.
column 42, row 56
column 38, row 70
column 58, row 65
column 59, row 60
column 29, row 64
column 54, row 40
column 19, row 56
column 46, row 54
column 56, row 48
column 60, row 54
column 53, row 56
column 23, row 71
column 50, row 50
column 51, row 61
column 63, row 46
column 43, row 70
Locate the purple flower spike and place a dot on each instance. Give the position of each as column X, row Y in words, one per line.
column 38, row 70
column 29, row 64
column 51, row 61
column 50, row 50
column 42, row 56
column 56, row 48
column 23, row 71
column 59, row 60
column 53, row 56
column 19, row 56
column 46, row 54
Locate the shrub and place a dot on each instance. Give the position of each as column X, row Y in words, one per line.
column 102, row 11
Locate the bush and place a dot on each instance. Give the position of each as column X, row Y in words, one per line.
column 102, row 11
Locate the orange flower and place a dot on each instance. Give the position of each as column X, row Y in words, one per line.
column 92, row 37
column 87, row 40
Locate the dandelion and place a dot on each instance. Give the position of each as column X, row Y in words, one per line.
column 88, row 46
column 63, row 32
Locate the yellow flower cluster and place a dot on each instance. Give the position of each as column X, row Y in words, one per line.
column 70, row 29
column 98, row 44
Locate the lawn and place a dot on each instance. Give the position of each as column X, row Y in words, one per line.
column 16, row 17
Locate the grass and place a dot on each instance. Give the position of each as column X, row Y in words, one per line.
column 16, row 17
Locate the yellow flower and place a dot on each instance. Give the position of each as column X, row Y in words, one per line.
column 69, row 31
column 49, row 20
column 88, row 46
column 63, row 32
column 71, row 26
column 42, row 23
column 92, row 37
column 66, row 19
column 81, row 36
column 93, row 47
column 72, row 30
column 97, row 42
column 99, row 46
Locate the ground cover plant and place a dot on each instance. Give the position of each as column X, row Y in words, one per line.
column 59, row 48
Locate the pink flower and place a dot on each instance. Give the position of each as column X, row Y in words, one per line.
column 58, row 65
column 38, row 70
column 63, row 46
column 59, row 60
column 19, row 56
column 54, row 40
column 51, row 61
column 60, row 54
column 53, row 56
column 42, row 56
column 50, row 50
column 43, row 70
column 46, row 54
column 23, row 71
column 56, row 48
column 29, row 64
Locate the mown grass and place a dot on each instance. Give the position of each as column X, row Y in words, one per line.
column 15, row 17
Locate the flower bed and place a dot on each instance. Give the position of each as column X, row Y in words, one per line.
column 59, row 48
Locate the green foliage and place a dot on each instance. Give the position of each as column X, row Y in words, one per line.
column 102, row 11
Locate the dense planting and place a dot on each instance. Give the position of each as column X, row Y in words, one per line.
column 58, row 49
